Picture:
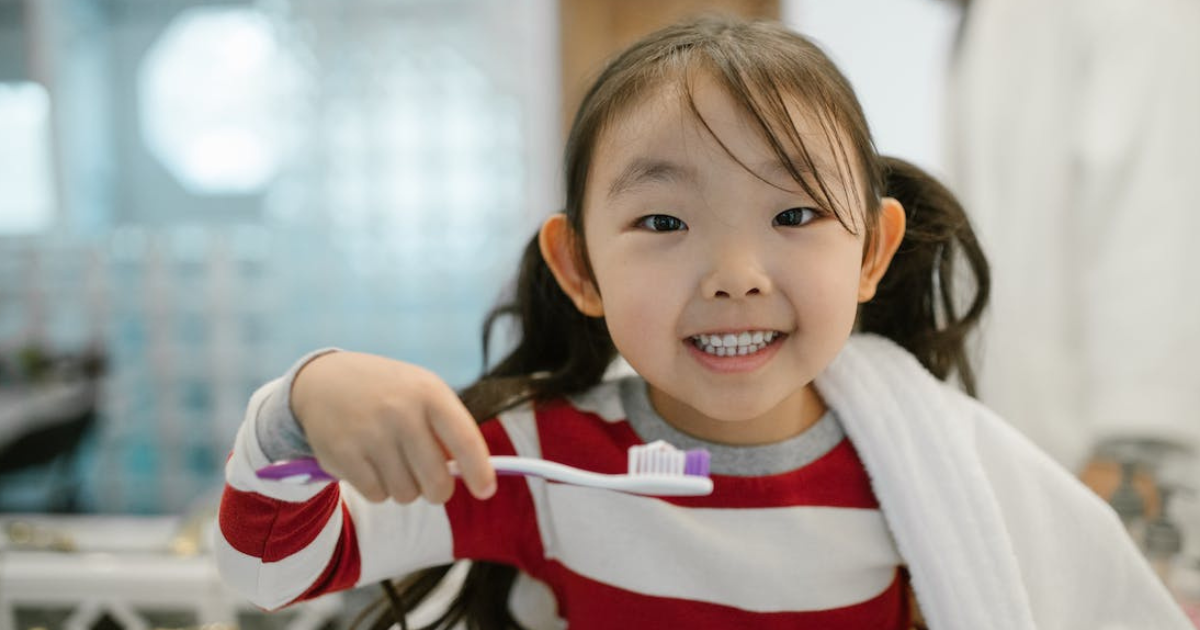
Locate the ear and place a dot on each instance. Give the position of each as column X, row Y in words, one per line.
column 559, row 248
column 888, row 234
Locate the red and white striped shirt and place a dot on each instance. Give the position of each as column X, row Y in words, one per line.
column 791, row 537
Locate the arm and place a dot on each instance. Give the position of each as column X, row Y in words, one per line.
column 279, row 542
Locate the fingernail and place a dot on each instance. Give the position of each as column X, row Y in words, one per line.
column 487, row 491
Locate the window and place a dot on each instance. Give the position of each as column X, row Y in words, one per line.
column 27, row 205
column 214, row 92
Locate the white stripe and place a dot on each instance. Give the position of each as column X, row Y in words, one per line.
column 533, row 604
column 396, row 539
column 521, row 426
column 248, row 457
column 603, row 400
column 759, row 559
column 618, row 370
column 273, row 584
column 240, row 572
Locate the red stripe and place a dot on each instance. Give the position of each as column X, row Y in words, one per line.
column 587, row 604
column 584, row 439
column 503, row 528
column 271, row 529
column 587, row 441
column 344, row 567
column 836, row 479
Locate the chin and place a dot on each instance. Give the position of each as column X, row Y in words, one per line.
column 733, row 411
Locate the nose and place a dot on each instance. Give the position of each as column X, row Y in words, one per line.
column 736, row 273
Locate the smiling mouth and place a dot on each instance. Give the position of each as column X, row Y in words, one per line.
column 735, row 344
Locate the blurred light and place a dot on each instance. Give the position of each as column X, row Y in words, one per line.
column 27, row 204
column 215, row 92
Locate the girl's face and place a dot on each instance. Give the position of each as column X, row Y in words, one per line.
column 726, row 293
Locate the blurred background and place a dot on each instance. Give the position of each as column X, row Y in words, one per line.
column 195, row 193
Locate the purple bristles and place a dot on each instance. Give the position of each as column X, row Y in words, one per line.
column 696, row 462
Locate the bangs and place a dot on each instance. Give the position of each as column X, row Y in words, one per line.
column 763, row 89
column 770, row 73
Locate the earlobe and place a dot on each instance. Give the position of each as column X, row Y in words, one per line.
column 557, row 242
column 888, row 236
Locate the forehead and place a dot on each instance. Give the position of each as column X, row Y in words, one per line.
column 680, row 124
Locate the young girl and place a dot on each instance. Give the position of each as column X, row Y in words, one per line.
column 727, row 230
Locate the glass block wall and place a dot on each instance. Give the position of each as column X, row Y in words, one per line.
column 419, row 158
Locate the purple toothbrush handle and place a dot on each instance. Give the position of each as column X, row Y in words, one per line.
column 293, row 468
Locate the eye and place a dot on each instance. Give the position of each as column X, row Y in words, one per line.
column 793, row 217
column 661, row 223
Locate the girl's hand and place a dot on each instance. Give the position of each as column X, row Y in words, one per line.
column 388, row 428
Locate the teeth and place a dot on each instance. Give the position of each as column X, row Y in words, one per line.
column 729, row 345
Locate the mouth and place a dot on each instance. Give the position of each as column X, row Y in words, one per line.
column 735, row 344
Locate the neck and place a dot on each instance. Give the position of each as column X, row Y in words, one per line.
column 791, row 417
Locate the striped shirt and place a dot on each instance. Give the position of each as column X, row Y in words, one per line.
column 791, row 537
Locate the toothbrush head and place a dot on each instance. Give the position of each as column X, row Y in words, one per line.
column 660, row 458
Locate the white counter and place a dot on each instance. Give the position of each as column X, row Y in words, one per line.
column 69, row 572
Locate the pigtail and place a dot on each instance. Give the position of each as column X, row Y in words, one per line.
column 917, row 303
column 560, row 350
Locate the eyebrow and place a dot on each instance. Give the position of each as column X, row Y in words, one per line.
column 650, row 170
column 657, row 170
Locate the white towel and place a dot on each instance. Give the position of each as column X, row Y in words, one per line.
column 931, row 453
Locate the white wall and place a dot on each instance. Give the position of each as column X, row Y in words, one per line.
column 895, row 53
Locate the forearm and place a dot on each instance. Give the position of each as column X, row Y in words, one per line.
column 275, row 539
column 282, row 542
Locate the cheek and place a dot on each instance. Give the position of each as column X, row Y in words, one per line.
column 640, row 313
column 633, row 298
column 829, row 292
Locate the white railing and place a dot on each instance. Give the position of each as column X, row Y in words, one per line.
column 134, row 573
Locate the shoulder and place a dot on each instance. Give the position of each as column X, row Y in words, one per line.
column 533, row 429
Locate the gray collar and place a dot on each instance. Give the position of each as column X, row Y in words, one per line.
column 740, row 461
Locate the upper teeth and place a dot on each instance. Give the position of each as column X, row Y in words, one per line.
column 729, row 344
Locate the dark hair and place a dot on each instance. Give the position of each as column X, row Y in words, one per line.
column 762, row 66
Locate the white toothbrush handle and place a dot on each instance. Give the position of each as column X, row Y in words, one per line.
column 647, row 484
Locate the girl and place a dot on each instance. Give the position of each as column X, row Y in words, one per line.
column 728, row 226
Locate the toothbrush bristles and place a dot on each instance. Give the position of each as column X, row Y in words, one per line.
column 660, row 458
column 696, row 462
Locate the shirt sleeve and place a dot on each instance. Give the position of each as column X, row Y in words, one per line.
column 278, row 543
column 279, row 433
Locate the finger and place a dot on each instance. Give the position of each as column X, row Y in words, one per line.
column 427, row 463
column 389, row 463
column 456, row 430
column 358, row 472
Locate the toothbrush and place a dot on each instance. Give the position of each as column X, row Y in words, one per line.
column 655, row 469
